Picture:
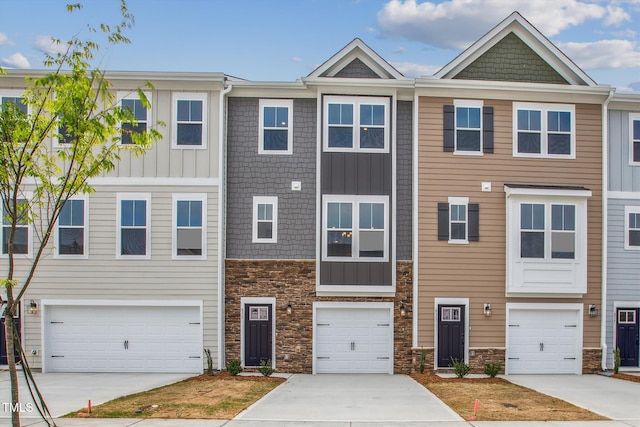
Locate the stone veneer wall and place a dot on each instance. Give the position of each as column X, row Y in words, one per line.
column 294, row 282
column 591, row 360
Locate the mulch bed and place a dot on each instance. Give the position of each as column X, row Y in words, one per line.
column 228, row 377
column 627, row 377
column 430, row 377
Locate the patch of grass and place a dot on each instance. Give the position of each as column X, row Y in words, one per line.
column 500, row 400
column 203, row 397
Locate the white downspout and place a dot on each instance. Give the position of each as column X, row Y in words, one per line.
column 605, row 228
column 222, row 173
column 414, row 222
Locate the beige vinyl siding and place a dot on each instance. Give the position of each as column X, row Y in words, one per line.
column 103, row 276
column 477, row 270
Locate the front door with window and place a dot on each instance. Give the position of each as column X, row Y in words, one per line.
column 3, row 342
column 258, row 340
column 627, row 336
column 451, row 334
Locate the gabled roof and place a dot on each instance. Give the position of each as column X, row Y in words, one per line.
column 357, row 50
column 533, row 38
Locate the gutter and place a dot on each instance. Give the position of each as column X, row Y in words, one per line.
column 414, row 220
column 222, row 172
column 605, row 228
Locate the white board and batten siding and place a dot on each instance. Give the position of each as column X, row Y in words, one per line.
column 544, row 339
column 117, row 336
column 353, row 338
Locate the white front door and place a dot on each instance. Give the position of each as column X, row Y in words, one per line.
column 354, row 339
column 544, row 341
column 81, row 338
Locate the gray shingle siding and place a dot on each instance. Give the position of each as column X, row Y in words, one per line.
column 357, row 70
column 250, row 174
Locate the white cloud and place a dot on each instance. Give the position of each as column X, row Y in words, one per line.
column 47, row 45
column 399, row 50
column 603, row 54
column 4, row 40
column 16, row 60
column 410, row 69
column 296, row 59
column 616, row 16
column 457, row 23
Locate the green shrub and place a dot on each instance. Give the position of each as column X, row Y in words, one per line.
column 234, row 366
column 423, row 360
column 265, row 368
column 461, row 369
column 616, row 360
column 492, row 369
column 207, row 353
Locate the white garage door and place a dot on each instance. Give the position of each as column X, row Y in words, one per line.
column 122, row 339
column 354, row 340
column 544, row 342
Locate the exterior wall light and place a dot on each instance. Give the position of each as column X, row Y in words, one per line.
column 593, row 310
column 289, row 309
column 487, row 309
column 32, row 308
column 403, row 310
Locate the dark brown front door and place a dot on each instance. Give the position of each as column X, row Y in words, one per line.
column 258, row 322
column 450, row 334
column 627, row 334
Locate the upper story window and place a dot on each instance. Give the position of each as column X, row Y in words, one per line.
column 14, row 98
column 542, row 238
column 189, row 234
column 468, row 127
column 632, row 228
column 141, row 114
column 355, row 228
column 22, row 234
column 72, row 229
column 134, row 235
column 265, row 219
column 458, row 220
column 544, row 130
column 276, row 126
column 189, row 120
column 356, row 124
column 634, row 146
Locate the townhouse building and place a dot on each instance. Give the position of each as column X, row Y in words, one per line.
column 318, row 264
column 622, row 220
column 509, row 207
column 131, row 280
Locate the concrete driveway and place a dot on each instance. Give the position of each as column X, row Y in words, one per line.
column 350, row 398
column 616, row 399
column 66, row 392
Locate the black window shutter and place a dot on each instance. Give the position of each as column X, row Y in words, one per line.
column 443, row 221
column 487, row 129
column 474, row 222
column 449, row 128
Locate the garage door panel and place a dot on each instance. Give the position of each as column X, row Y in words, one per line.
column 543, row 341
column 123, row 339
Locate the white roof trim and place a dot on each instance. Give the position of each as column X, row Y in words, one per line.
column 532, row 37
column 357, row 49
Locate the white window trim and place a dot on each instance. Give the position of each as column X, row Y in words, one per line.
column 24, row 196
column 544, row 146
column 470, row 104
column 276, row 103
column 121, row 95
column 632, row 117
column 629, row 210
column 176, row 197
column 259, row 200
column 85, row 255
column 548, row 230
column 189, row 96
column 133, row 196
column 355, row 212
column 356, row 101
column 459, row 201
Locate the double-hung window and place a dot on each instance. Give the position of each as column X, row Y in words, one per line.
column 133, row 238
column 265, row 219
column 543, row 130
column 458, row 220
column 14, row 99
column 72, row 228
column 22, row 235
column 468, row 135
column 189, row 120
column 140, row 113
column 276, row 126
column 632, row 228
column 189, row 234
column 546, row 239
column 356, row 228
column 356, row 124
column 634, row 133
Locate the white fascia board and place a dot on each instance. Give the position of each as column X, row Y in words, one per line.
column 511, row 191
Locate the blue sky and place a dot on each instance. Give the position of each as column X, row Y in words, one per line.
column 285, row 40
